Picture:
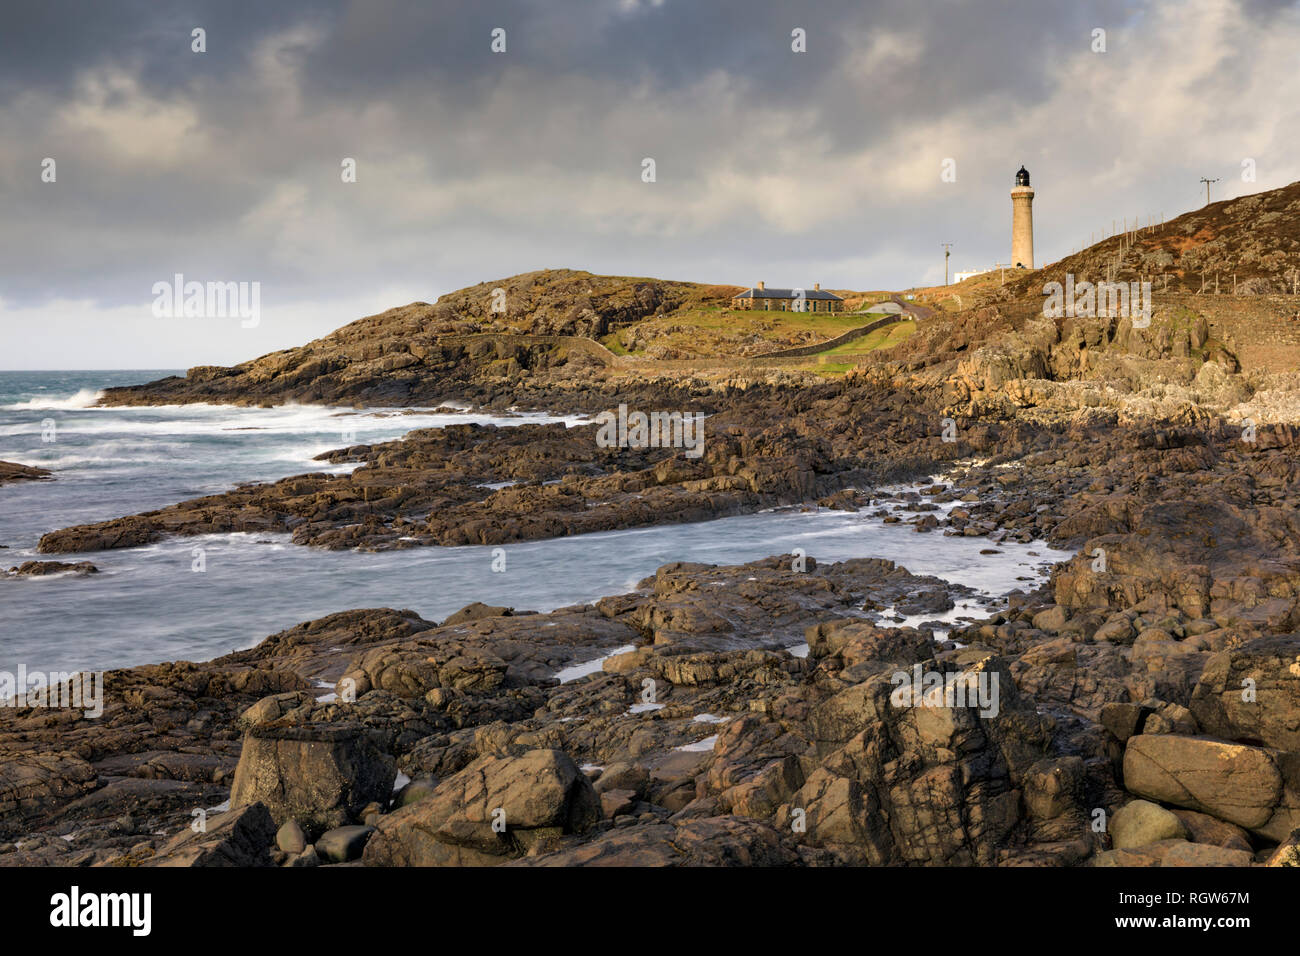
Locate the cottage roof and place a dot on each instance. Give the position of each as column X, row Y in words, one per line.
column 819, row 294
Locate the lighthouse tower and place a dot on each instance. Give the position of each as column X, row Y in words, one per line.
column 1022, row 222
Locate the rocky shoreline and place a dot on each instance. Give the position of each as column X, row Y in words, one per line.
column 764, row 447
column 701, row 737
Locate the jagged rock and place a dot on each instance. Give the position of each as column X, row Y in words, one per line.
column 944, row 777
column 1252, row 693
column 307, row 857
column 241, row 836
column 861, row 643
column 534, row 799
column 623, row 776
column 1123, row 719
column 1053, row 787
column 615, row 803
column 274, row 707
column 1287, row 852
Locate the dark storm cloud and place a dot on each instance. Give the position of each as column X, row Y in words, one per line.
column 376, row 48
column 44, row 43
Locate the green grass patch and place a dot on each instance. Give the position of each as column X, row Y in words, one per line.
column 774, row 323
column 833, row 368
column 614, row 344
column 881, row 338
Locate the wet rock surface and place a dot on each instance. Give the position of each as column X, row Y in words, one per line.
column 761, row 447
column 12, row 471
column 43, row 568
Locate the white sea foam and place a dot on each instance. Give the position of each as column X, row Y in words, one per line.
column 575, row 671
column 229, row 421
column 643, row 709
column 84, row 398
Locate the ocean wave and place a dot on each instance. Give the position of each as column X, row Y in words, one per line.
column 84, row 398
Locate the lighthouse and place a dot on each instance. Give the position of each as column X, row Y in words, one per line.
column 1022, row 222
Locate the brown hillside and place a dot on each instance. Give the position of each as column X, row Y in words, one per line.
column 1255, row 238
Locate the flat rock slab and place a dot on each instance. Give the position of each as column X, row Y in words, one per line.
column 1174, row 853
column 34, row 783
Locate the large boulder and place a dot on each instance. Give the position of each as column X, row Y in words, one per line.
column 1244, row 785
column 343, row 843
column 1141, row 822
column 321, row 775
column 533, row 800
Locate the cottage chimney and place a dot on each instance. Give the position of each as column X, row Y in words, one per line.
column 760, row 287
column 817, row 286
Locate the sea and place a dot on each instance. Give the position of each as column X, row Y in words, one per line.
column 194, row 598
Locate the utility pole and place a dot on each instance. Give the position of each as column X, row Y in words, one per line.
column 1207, row 188
column 946, row 253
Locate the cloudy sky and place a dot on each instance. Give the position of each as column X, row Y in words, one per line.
column 791, row 167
